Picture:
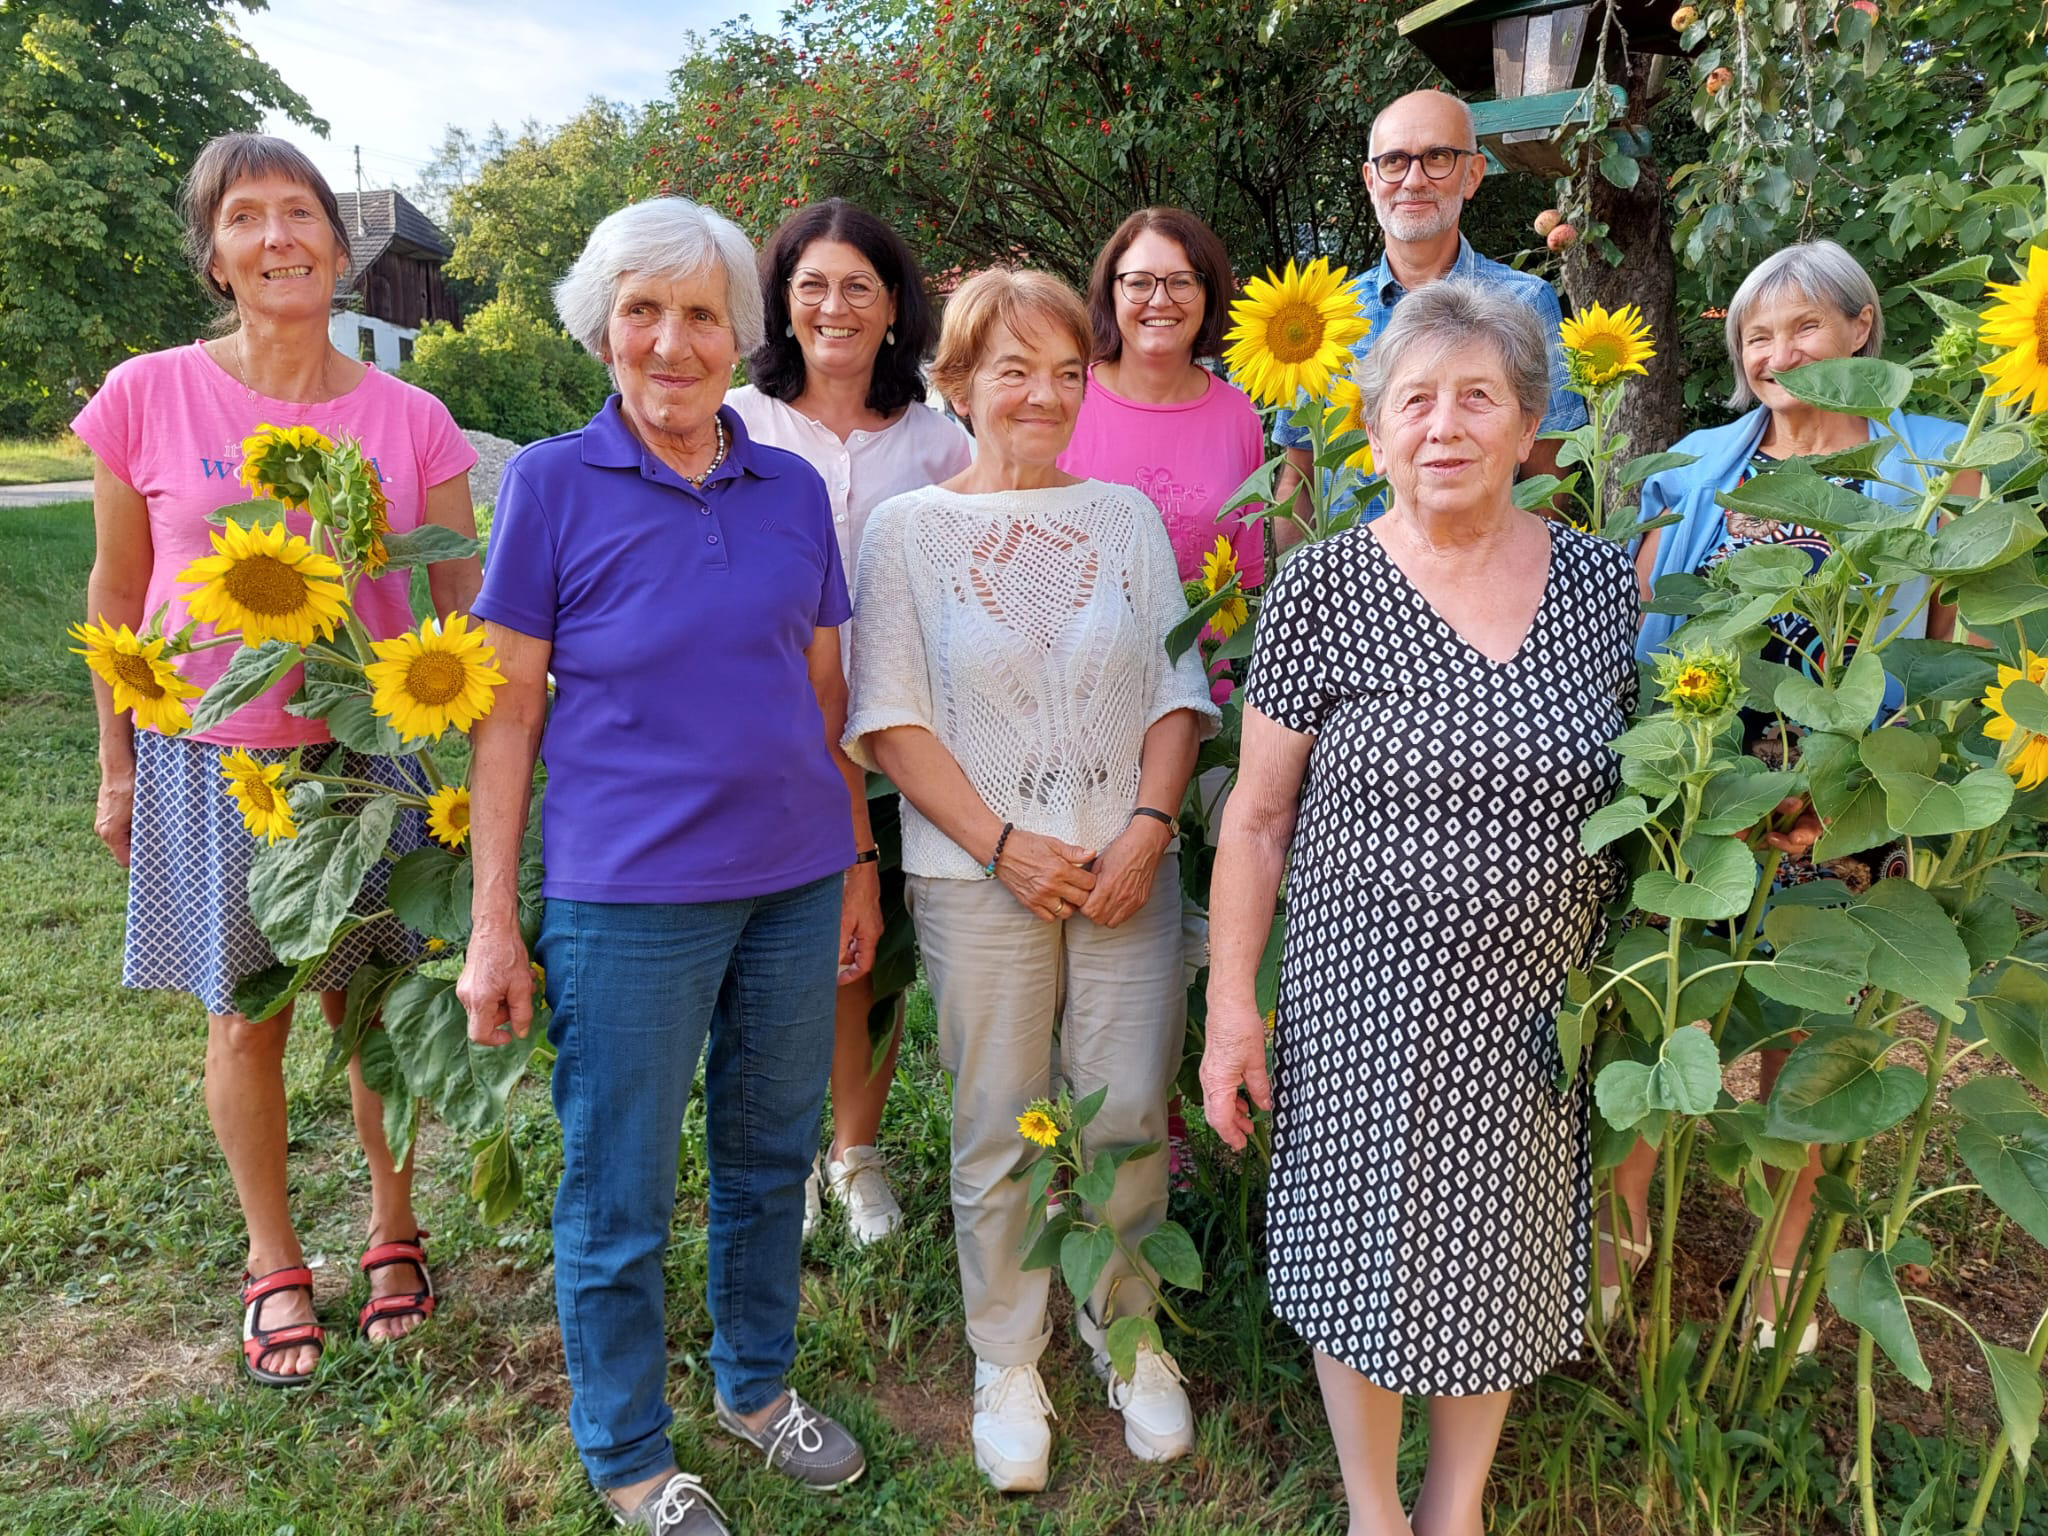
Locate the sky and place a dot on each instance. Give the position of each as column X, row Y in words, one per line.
column 391, row 75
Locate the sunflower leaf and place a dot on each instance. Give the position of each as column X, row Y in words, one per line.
column 1857, row 386
column 468, row 1085
column 426, row 544
column 261, row 513
column 253, row 671
column 2027, row 704
column 301, row 889
column 430, row 889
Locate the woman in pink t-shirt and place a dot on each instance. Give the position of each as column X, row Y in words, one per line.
column 1153, row 417
column 166, row 429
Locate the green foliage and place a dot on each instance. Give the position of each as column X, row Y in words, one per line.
column 1028, row 130
column 102, row 110
column 522, row 216
column 507, row 373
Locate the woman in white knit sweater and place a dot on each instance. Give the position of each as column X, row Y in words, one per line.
column 1010, row 675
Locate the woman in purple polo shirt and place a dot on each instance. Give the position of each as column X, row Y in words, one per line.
column 706, row 845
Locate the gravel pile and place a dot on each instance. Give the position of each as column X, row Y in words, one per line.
column 492, row 453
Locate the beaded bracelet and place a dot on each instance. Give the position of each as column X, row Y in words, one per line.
column 989, row 869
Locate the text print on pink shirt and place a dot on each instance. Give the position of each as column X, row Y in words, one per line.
column 228, row 467
column 1172, row 498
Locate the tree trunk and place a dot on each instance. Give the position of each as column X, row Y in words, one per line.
column 1638, row 222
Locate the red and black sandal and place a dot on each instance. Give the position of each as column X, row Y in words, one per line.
column 418, row 1303
column 258, row 1342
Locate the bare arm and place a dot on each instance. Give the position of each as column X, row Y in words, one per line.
column 1646, row 564
column 1041, row 872
column 496, row 987
column 860, row 908
column 453, row 583
column 115, row 592
column 1251, row 850
column 1128, row 866
column 1941, row 617
column 1291, row 486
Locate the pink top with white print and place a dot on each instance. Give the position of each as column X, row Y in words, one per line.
column 170, row 425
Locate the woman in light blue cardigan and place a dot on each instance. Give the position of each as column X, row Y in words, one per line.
column 1807, row 303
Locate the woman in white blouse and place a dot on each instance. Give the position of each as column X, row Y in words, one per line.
column 840, row 381
column 1010, row 675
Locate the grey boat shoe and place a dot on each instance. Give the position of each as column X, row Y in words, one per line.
column 801, row 1443
column 678, row 1507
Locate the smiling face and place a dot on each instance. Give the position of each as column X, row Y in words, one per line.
column 671, row 347
column 1784, row 332
column 274, row 249
column 1450, row 432
column 1025, row 393
column 1416, row 208
column 1162, row 326
column 839, row 339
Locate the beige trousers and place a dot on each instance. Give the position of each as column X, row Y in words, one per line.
column 1001, row 980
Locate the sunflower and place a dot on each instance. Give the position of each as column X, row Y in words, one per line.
column 280, row 462
column 2018, row 322
column 1603, row 346
column 448, row 815
column 428, row 680
column 1219, row 570
column 1344, row 397
column 268, row 583
column 254, row 788
column 142, row 680
column 2025, row 754
column 1700, row 682
column 1290, row 333
column 1037, row 1125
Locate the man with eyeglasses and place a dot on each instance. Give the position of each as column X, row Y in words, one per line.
column 1422, row 167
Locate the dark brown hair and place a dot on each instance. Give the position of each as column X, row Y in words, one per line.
column 1205, row 255
column 777, row 366
column 233, row 158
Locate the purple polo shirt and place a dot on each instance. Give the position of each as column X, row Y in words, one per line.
column 685, row 751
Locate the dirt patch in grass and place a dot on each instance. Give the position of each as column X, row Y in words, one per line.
column 56, row 1359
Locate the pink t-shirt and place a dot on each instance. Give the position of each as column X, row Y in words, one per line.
column 1188, row 458
column 170, row 425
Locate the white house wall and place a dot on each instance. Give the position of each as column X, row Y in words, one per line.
column 343, row 330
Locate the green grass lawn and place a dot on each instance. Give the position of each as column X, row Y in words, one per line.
column 121, row 1409
column 34, row 460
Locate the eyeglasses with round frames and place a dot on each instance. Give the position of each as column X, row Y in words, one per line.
column 1438, row 161
column 1180, row 286
column 814, row 288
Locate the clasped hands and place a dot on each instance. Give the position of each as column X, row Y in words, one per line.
column 1055, row 880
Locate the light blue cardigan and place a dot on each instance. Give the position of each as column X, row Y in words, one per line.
column 1721, row 453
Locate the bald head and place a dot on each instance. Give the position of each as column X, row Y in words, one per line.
column 1426, row 117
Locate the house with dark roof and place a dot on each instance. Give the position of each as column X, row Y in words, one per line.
column 393, row 285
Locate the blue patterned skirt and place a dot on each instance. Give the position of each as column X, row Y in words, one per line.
column 189, row 928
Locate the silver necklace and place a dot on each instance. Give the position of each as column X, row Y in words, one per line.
column 241, row 369
column 717, row 455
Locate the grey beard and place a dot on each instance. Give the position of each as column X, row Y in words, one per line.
column 1423, row 226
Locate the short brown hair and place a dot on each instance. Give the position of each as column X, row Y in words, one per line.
column 232, row 158
column 999, row 296
column 1205, row 256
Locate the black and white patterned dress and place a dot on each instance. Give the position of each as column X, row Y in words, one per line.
column 1429, row 1216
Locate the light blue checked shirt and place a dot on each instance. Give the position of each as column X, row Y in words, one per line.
column 1378, row 293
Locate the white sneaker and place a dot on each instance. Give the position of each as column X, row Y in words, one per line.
column 859, row 1184
column 1159, row 1422
column 813, row 1207
column 1012, row 1441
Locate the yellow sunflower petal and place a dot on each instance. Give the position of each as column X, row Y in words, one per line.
column 1602, row 345
column 1291, row 332
column 268, row 583
column 2024, row 753
column 1219, row 565
column 1344, row 397
column 448, row 815
column 427, row 681
column 254, row 788
column 1035, row 1125
column 2018, row 324
column 138, row 675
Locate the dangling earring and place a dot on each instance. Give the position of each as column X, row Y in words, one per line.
column 889, row 336
column 789, row 329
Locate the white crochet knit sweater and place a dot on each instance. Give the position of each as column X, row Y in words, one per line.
column 1026, row 630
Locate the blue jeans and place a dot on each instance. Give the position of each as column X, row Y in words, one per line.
column 636, row 990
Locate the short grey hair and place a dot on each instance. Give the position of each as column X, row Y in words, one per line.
column 1820, row 272
column 1440, row 318
column 669, row 236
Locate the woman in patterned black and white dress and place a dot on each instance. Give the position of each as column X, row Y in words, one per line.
column 1428, row 715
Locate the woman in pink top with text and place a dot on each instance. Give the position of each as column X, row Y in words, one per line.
column 1153, row 417
column 166, row 429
